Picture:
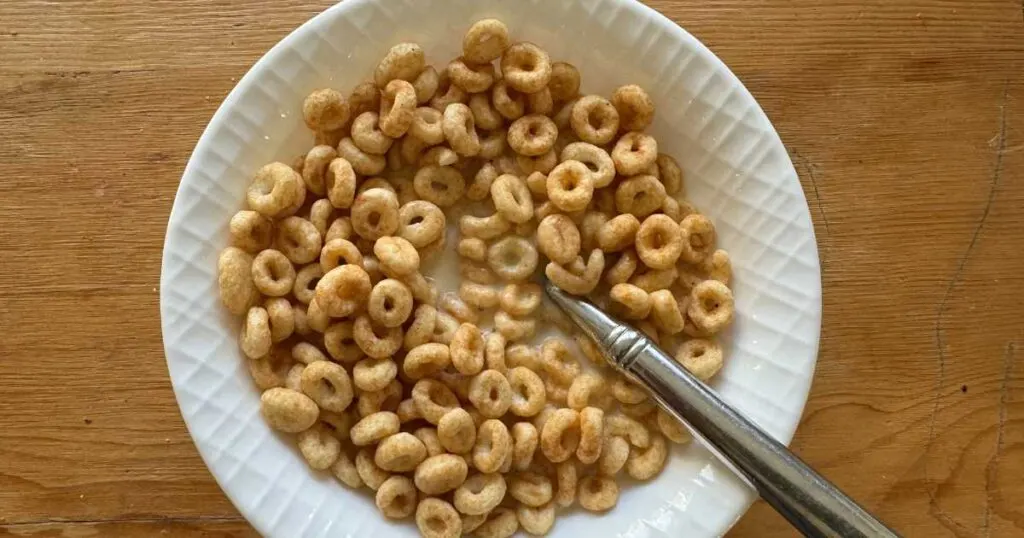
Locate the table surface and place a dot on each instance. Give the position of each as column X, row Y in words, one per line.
column 904, row 120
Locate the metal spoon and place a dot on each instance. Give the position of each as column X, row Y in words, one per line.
column 811, row 503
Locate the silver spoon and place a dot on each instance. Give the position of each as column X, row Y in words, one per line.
column 811, row 503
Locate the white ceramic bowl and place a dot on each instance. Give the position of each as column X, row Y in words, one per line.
column 737, row 171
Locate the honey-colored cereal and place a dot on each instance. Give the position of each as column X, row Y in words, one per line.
column 438, row 519
column 598, row 493
column 325, row 110
column 250, row 231
column 526, row 67
column 327, row 384
column 287, row 410
column 238, row 291
column 396, row 498
column 400, row 453
column 319, row 447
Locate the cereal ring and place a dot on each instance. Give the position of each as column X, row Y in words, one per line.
column 426, row 126
column 255, row 338
column 375, row 214
column 250, row 231
column 459, row 129
column 456, row 431
column 565, row 81
column 671, row 174
column 525, row 439
column 639, row 411
column 400, row 453
column 405, row 61
column 426, row 84
column 478, row 295
column 467, row 349
column 238, row 292
column 298, row 239
column 476, row 273
column 275, row 189
column 371, row 475
column 512, row 198
column 444, row 329
column 540, row 102
column 366, row 164
column 672, row 428
column 421, row 330
column 613, row 456
column 407, row 411
column 319, row 447
column 526, row 67
column 598, row 493
column 421, row 223
column 396, row 497
column 325, row 110
column 570, row 186
column 635, row 107
column 532, row 135
column 367, row 136
column 343, row 290
column 491, row 393
column 374, row 428
column 624, row 426
column 703, row 358
column 327, row 384
column 365, row 97
column 376, row 341
column 429, row 438
column 531, row 489
column 566, row 480
column 698, row 238
column 438, row 519
column 483, row 227
column 591, row 224
column 271, row 370
column 594, row 120
column 558, row 238
column 557, row 393
column 578, row 283
column 560, row 435
column 639, row 196
column 659, row 242
column 447, row 93
column 287, row 410
column 712, row 307
column 629, row 301
column 390, row 303
column 513, row 258
column 623, row 268
column 634, row 153
column 510, row 103
column 520, row 298
column 514, row 329
column 646, row 464
column 317, row 317
column 397, row 255
column 597, row 160
column 655, row 279
column 340, row 183
column 432, row 398
column 718, row 266
column 671, row 208
column 666, row 313
column 454, row 305
column 501, row 523
column 540, row 165
column 558, row 362
column 344, row 469
column 473, row 78
column 625, row 391
column 280, row 317
column 591, row 435
column 441, row 474
column 485, row 41
column 439, row 156
column 585, row 389
column 321, row 214
column 493, row 445
column 371, row 375
column 340, row 343
column 480, row 494
column 339, row 252
column 441, row 185
column 536, row 520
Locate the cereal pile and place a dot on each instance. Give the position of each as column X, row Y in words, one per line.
column 395, row 387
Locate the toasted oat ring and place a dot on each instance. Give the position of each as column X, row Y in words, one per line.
column 441, row 185
column 426, row 359
column 528, row 393
column 473, row 248
column 426, row 84
column 513, row 258
column 480, row 493
column 397, row 255
column 666, row 313
column 298, row 239
column 470, row 76
column 467, row 349
column 559, row 238
column 570, row 186
column 343, row 291
column 542, row 164
column 404, row 61
column 426, row 125
column 376, row 341
column 483, row 227
column 306, row 280
column 486, row 116
column 339, row 252
column 576, row 282
column 397, row 105
column 639, row 196
column 634, row 153
column 598, row 493
column 480, row 296
column 597, row 160
column 375, row 214
column 275, row 189
column 532, row 135
column 314, row 168
column 491, row 393
column 711, row 306
column 340, row 183
column 325, row 110
column 396, row 497
column 558, row 362
column 460, row 130
column 540, row 102
column 526, row 67
column 671, row 174
column 447, row 93
column 251, row 231
column 287, row 410
column 659, row 242
column 594, row 120
column 421, row 223
column 366, row 164
column 367, row 136
column 591, row 435
column 390, row 303
column 512, row 198
column 508, row 102
column 485, row 41
column 698, row 238
column 560, row 435
column 520, row 298
column 273, row 273
column 255, row 338
column 327, row 384
column 635, row 107
column 565, row 81
column 493, row 445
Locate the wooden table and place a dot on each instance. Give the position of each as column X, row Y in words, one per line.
column 906, row 124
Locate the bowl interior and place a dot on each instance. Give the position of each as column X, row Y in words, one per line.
column 737, row 172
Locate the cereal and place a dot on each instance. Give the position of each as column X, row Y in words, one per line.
column 317, row 317
column 711, row 306
column 338, row 252
column 483, row 227
column 421, row 223
column 255, row 338
column 479, row 296
column 298, row 239
column 344, row 469
column 343, row 290
column 532, row 135
column 513, row 258
column 636, row 110
column 456, row 431
column 718, row 266
column 426, row 126
column 671, row 174
column 433, row 399
column 558, row 362
column 371, row 475
column 698, row 238
column 510, row 103
column 584, row 390
column 405, row 61
column 371, row 375
column 467, row 349
column 327, row 384
column 514, row 329
column 375, row 427
column 600, row 165
column 438, row 519
column 287, row 410
column 238, row 291
column 339, row 340
column 440, row 185
column 634, row 153
column 672, row 428
column 439, row 156
column 526, row 67
column 471, row 77
column 502, row 523
column 560, row 435
column 531, row 489
column 447, row 93
column 566, row 480
column 647, row 463
column 703, row 358
column 624, row 426
column 558, row 238
column 390, row 303
column 626, row 392
column 429, row 438
column 460, row 130
column 653, row 280
column 444, row 328
column 375, row 214
column 565, row 81
column 325, row 110
column 520, row 298
column 570, row 186
column 321, row 214
column 613, row 456
column 363, row 163
column 397, row 255
column 396, row 497
column 630, row 302
column 476, row 273
column 639, row 196
column 400, row 453
column 485, row 41
column 491, row 393
column 250, row 231
column 452, row 304
column 594, row 120
column 271, row 370
column 598, row 493
column 542, row 165
column 426, row 84
column 512, row 198
column 493, row 445
column 579, row 282
column 381, row 400
column 536, row 520
column 591, row 435
column 280, row 317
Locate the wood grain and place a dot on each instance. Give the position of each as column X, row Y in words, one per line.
column 905, row 121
